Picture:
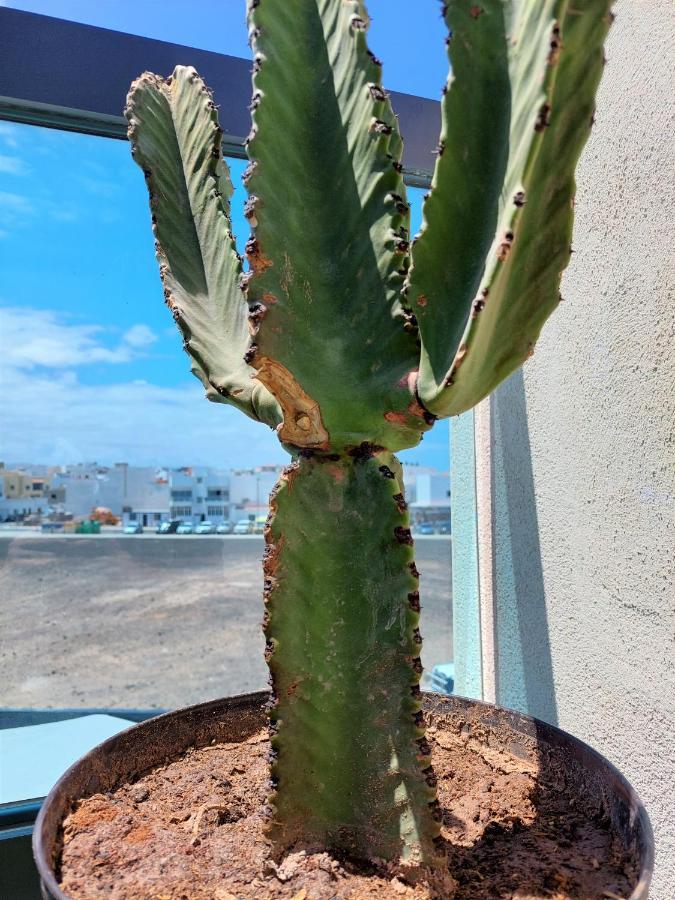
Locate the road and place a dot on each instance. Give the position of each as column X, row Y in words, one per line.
column 145, row 621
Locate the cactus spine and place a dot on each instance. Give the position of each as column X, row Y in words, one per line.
column 356, row 341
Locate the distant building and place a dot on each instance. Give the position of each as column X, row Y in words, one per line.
column 427, row 493
column 250, row 490
column 193, row 494
column 22, row 494
column 200, row 494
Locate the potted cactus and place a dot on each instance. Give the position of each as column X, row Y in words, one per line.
column 350, row 340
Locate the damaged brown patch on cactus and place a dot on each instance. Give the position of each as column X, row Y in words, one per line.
column 519, row 199
column 256, row 313
column 504, row 247
column 364, row 451
column 302, row 425
column 256, row 259
column 249, row 356
column 476, row 11
column 554, row 46
column 396, row 418
column 401, row 206
column 249, row 210
column 399, row 500
column 543, row 118
column 377, row 126
column 403, row 535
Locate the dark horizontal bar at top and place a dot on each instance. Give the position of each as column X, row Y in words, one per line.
column 67, row 75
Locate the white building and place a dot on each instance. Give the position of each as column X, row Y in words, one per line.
column 427, row 492
column 200, row 494
column 250, row 490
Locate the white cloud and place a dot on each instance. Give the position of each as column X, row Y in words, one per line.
column 54, row 420
column 48, row 415
column 9, row 132
column 15, row 209
column 139, row 336
column 32, row 337
column 12, row 165
column 15, row 203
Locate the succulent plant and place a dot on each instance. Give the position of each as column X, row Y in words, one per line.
column 358, row 339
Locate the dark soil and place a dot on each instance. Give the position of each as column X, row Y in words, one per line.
column 193, row 830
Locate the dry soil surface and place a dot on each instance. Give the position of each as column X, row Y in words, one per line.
column 156, row 622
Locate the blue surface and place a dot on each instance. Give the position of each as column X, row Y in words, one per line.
column 465, row 595
column 34, row 757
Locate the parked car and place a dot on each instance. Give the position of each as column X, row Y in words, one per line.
column 444, row 527
column 169, row 527
column 205, row 528
column 133, row 528
column 224, row 528
column 259, row 524
column 243, row 526
column 425, row 528
column 184, row 528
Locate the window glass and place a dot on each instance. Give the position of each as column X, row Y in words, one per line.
column 219, row 25
column 98, row 411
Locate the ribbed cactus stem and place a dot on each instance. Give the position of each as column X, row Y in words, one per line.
column 351, row 768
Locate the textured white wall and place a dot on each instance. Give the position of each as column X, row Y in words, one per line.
column 583, row 450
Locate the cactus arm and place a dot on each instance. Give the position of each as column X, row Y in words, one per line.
column 350, row 769
column 460, row 212
column 329, row 247
column 555, row 62
column 175, row 137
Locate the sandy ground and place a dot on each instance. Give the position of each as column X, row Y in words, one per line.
column 156, row 622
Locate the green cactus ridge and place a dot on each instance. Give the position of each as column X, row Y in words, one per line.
column 352, row 770
column 356, row 339
column 327, row 268
column 175, row 136
column 482, row 292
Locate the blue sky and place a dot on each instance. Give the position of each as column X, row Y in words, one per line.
column 91, row 365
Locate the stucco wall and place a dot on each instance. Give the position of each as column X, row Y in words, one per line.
column 583, row 454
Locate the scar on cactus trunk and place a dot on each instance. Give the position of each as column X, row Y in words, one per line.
column 351, row 768
column 345, row 334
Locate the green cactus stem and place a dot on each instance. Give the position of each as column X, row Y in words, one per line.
column 355, row 341
column 351, row 766
column 175, row 137
column 329, row 250
column 516, row 115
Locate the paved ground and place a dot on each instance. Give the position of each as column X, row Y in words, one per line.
column 153, row 622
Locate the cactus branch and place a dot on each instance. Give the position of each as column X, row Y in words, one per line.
column 175, row 137
column 351, row 767
column 329, row 249
column 532, row 93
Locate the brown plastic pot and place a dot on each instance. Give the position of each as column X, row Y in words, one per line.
column 124, row 756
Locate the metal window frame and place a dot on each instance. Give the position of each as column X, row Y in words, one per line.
column 74, row 77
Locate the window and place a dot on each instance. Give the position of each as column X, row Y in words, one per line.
column 111, row 385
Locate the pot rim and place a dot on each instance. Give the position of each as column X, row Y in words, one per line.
column 520, row 722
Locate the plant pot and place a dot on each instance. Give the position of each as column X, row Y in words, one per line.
column 125, row 756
